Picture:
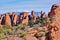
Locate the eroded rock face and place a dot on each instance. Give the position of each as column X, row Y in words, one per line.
column 33, row 16
column 24, row 17
column 52, row 12
column 1, row 21
column 6, row 19
column 14, row 18
column 54, row 27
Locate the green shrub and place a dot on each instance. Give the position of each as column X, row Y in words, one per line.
column 43, row 20
column 22, row 27
column 0, row 36
column 31, row 23
column 39, row 34
column 49, row 20
column 1, row 30
column 22, row 33
column 6, row 31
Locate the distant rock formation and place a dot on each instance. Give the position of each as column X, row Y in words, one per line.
column 6, row 19
column 14, row 18
column 44, row 15
column 33, row 16
column 24, row 17
column 54, row 27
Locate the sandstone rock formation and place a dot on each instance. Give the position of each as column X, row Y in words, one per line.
column 24, row 17
column 44, row 15
column 14, row 18
column 33, row 16
column 6, row 19
column 54, row 27
column 51, row 14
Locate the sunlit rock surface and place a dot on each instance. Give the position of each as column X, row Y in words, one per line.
column 54, row 27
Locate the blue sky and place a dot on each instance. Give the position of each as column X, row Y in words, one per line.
column 26, row 5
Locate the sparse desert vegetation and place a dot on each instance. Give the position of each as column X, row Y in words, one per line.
column 21, row 30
